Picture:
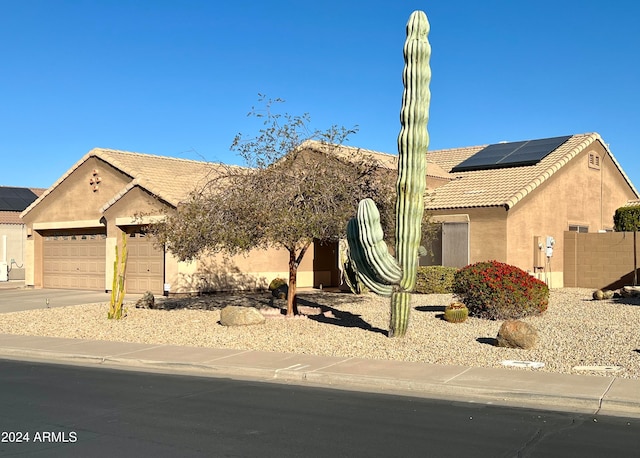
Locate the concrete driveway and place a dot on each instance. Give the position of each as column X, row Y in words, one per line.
column 18, row 299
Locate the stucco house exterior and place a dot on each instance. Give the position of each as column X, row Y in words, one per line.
column 73, row 228
column 13, row 200
column 519, row 214
column 504, row 212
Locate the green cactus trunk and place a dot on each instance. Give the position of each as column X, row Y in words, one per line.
column 117, row 290
column 413, row 142
column 379, row 271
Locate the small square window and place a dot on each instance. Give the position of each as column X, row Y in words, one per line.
column 578, row 228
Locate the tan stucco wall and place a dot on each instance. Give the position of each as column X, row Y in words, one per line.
column 74, row 199
column 487, row 232
column 600, row 261
column 72, row 204
column 13, row 239
column 577, row 195
column 218, row 272
column 252, row 270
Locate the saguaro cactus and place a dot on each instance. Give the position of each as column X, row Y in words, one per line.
column 117, row 290
column 378, row 270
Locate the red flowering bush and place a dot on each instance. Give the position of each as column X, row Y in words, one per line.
column 498, row 291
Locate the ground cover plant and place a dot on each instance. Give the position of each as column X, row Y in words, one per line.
column 435, row 279
column 499, row 291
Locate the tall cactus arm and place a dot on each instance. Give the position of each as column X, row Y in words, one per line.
column 363, row 269
column 413, row 142
column 375, row 248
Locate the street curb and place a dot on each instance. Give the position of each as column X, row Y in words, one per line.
column 384, row 385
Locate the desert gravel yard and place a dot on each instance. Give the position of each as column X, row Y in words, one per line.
column 575, row 331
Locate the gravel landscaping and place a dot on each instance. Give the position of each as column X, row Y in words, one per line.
column 575, row 330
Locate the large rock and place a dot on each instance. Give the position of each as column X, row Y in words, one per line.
column 630, row 291
column 235, row 315
column 147, row 301
column 517, row 334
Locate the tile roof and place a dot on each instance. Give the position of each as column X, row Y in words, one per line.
column 504, row 187
column 385, row 160
column 490, row 188
column 170, row 179
column 10, row 218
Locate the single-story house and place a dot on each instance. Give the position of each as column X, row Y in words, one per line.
column 13, row 200
column 513, row 201
column 510, row 202
column 73, row 228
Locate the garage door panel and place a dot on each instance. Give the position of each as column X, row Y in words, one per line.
column 74, row 262
column 145, row 265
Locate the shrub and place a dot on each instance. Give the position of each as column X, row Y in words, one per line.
column 627, row 219
column 498, row 291
column 434, row 280
column 277, row 283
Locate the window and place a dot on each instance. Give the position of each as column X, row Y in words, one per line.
column 578, row 228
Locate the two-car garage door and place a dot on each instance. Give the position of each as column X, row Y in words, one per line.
column 77, row 260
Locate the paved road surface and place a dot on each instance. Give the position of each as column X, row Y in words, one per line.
column 79, row 411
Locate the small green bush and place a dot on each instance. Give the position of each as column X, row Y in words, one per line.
column 627, row 219
column 277, row 283
column 498, row 291
column 434, row 280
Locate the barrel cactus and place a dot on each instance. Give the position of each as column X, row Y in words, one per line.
column 456, row 312
column 381, row 272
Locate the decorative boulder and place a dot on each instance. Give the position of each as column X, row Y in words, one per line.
column 147, row 301
column 600, row 294
column 630, row 291
column 517, row 334
column 235, row 315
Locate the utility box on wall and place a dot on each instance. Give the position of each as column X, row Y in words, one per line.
column 538, row 252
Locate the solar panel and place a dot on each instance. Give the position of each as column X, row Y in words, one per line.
column 15, row 199
column 513, row 154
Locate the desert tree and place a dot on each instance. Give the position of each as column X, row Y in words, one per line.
column 298, row 186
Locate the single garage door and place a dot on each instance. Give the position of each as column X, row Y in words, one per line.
column 145, row 265
column 74, row 261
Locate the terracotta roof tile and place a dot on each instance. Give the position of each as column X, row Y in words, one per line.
column 502, row 187
column 172, row 179
column 168, row 178
column 10, row 218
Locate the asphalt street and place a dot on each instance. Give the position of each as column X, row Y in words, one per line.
column 80, row 411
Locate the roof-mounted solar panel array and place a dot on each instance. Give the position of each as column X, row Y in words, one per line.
column 15, row 199
column 513, row 154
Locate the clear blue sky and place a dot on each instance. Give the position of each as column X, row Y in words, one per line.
column 177, row 78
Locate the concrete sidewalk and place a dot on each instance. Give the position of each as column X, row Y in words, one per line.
column 513, row 387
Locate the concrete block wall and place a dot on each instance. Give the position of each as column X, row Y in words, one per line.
column 599, row 260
